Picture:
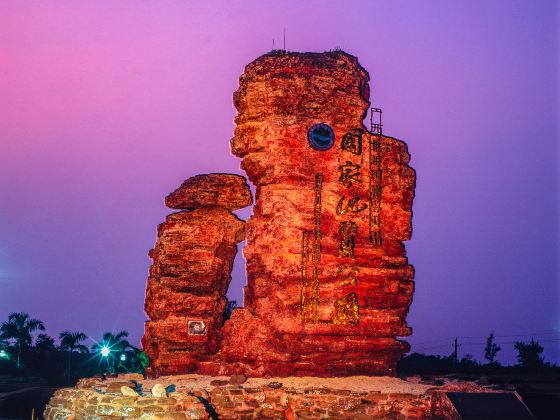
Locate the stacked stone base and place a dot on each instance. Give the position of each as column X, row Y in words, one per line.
column 199, row 397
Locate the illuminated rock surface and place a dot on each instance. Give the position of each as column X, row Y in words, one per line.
column 189, row 277
column 224, row 190
column 334, row 311
column 329, row 284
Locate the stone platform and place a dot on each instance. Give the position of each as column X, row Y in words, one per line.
column 207, row 397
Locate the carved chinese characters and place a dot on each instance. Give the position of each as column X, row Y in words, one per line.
column 352, row 141
column 309, row 300
column 346, row 308
column 350, row 205
column 375, row 179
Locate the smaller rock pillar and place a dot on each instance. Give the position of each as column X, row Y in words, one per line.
column 191, row 271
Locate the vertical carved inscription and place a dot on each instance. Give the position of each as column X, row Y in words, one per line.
column 316, row 249
column 304, row 275
column 375, row 182
column 346, row 310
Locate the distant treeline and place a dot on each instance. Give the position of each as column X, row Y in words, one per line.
column 27, row 352
column 529, row 361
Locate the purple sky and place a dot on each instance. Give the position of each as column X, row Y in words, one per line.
column 105, row 107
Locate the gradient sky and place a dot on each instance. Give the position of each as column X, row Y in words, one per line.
column 105, row 107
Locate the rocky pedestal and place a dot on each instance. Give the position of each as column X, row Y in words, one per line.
column 200, row 397
column 329, row 284
column 191, row 271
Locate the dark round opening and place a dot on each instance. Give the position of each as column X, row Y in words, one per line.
column 320, row 137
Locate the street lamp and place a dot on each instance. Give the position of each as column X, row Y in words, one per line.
column 105, row 351
column 123, row 357
column 3, row 354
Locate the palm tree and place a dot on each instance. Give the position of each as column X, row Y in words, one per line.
column 4, row 349
column 44, row 343
column 70, row 341
column 115, row 343
column 19, row 328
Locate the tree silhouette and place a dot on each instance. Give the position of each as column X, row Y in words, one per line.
column 137, row 362
column 19, row 328
column 44, row 343
column 3, row 343
column 5, row 348
column 70, row 342
column 529, row 354
column 491, row 349
column 115, row 343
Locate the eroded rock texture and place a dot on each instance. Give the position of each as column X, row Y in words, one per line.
column 329, row 284
column 190, row 274
column 224, row 190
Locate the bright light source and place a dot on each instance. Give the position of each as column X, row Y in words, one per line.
column 3, row 353
column 123, row 357
column 105, row 351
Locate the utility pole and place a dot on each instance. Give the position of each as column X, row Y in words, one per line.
column 455, row 345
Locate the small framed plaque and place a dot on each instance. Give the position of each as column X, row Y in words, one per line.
column 197, row 328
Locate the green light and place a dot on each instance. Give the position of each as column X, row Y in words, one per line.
column 3, row 354
column 123, row 357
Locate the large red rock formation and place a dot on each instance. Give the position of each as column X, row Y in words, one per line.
column 190, row 274
column 329, row 284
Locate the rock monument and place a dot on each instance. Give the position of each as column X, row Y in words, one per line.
column 191, row 271
column 328, row 281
